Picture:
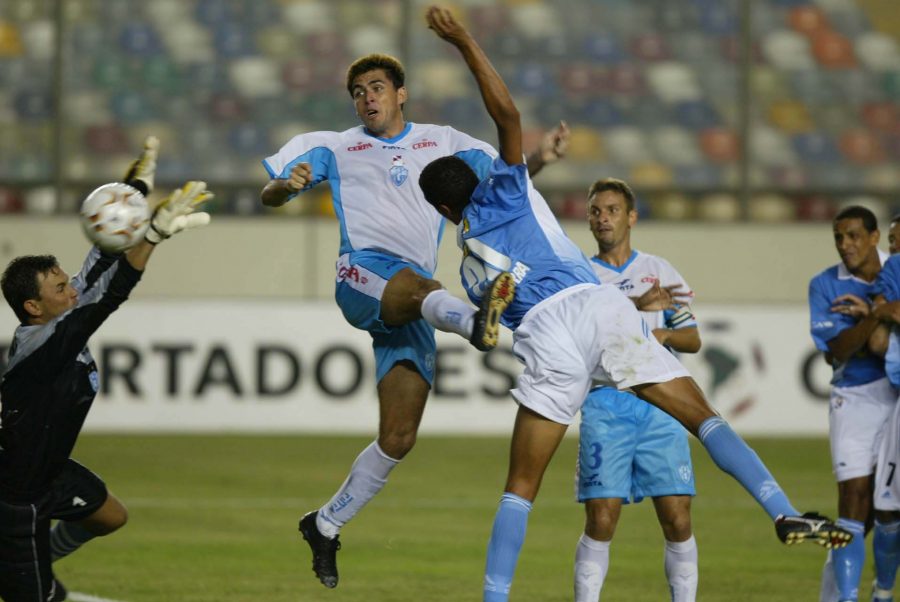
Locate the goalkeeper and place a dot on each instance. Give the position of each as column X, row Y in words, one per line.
column 47, row 389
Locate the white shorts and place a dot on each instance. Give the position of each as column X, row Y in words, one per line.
column 856, row 419
column 887, row 481
column 584, row 333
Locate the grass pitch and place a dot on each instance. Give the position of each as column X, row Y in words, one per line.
column 215, row 518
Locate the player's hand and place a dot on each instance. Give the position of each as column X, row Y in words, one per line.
column 887, row 312
column 301, row 175
column 851, row 305
column 177, row 212
column 445, row 26
column 659, row 298
column 555, row 143
column 143, row 169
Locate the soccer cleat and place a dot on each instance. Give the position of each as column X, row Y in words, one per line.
column 142, row 171
column 59, row 592
column 811, row 527
column 324, row 550
column 486, row 328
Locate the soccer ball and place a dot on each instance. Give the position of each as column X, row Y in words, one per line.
column 115, row 217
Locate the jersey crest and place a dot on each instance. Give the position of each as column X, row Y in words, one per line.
column 398, row 171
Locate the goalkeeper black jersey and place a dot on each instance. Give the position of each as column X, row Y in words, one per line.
column 51, row 380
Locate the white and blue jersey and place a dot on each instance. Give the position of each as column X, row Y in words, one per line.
column 825, row 325
column 628, row 448
column 888, row 285
column 375, row 184
column 508, row 227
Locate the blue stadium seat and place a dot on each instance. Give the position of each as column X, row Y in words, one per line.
column 233, row 41
column 599, row 113
column 249, row 140
column 718, row 19
column 816, row 147
column 131, row 106
column 33, row 105
column 535, row 79
column 214, row 12
column 698, row 176
column 696, row 114
column 603, row 47
column 140, row 39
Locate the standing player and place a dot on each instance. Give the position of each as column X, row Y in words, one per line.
column 568, row 329
column 47, row 390
column 861, row 395
column 629, row 449
column 388, row 252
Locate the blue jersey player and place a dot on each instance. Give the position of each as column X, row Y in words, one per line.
column 388, row 251
column 629, row 449
column 861, row 395
column 568, row 329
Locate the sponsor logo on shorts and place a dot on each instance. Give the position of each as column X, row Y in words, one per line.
column 77, row 501
column 424, row 144
column 837, row 402
column 350, row 273
column 360, row 146
column 684, row 471
column 592, row 480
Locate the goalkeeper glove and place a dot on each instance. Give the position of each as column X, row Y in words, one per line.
column 140, row 174
column 176, row 212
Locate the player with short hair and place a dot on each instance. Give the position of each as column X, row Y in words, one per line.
column 48, row 387
column 388, row 253
column 629, row 449
column 862, row 397
column 568, row 329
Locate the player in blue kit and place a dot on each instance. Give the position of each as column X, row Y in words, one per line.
column 568, row 329
column 388, row 251
column 862, row 397
column 629, row 449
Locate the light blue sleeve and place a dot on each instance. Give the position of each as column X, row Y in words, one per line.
column 824, row 324
column 888, row 281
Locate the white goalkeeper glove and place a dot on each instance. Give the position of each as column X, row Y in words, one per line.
column 176, row 212
column 141, row 173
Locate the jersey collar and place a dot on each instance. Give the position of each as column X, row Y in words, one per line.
column 617, row 269
column 395, row 138
column 844, row 273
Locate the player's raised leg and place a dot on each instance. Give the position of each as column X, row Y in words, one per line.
column 683, row 399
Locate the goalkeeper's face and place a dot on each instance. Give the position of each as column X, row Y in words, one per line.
column 56, row 296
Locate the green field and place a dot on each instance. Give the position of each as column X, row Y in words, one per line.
column 215, row 518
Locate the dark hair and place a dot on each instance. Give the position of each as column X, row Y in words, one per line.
column 391, row 66
column 896, row 218
column 615, row 185
column 870, row 222
column 448, row 181
column 19, row 281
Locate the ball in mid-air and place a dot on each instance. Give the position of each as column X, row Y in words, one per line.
column 115, row 216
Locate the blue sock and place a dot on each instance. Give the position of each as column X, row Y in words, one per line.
column 735, row 457
column 848, row 561
column 886, row 549
column 507, row 537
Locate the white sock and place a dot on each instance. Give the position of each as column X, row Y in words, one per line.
column 681, row 569
column 829, row 590
column 448, row 313
column 367, row 476
column 591, row 566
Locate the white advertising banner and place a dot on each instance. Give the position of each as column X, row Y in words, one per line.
column 253, row 366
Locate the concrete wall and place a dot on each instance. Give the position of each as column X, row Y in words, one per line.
column 278, row 258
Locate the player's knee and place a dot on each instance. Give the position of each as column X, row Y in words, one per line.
column 397, row 444
column 115, row 516
column 599, row 525
column 677, row 527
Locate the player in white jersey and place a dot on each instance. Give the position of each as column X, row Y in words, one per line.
column 568, row 329
column 861, row 395
column 388, row 251
column 629, row 449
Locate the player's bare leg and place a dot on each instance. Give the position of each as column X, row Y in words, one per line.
column 674, row 515
column 682, row 399
column 592, row 551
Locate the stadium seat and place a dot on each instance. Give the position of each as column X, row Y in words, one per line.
column 816, row 208
column 583, row 79
column 832, row 50
column 33, row 105
column 676, row 17
column 371, row 38
column 790, row 116
column 140, row 40
column 233, row 41
column 626, row 79
column 769, row 147
column 878, row 51
column 188, row 43
column 534, row 79
column 807, row 19
column 249, row 140
column 786, row 177
column 650, row 46
column 627, row 145
column 815, row 148
column 720, row 145
column 603, row 47
column 650, row 174
column 536, row 20
column 833, row 118
column 836, row 176
column 847, row 19
column 699, row 177
column 771, row 208
column 599, row 113
column 586, row 145
column 891, row 143
column 719, row 207
column 692, row 47
column 787, row 50
column 768, row 84
column 718, row 18
column 298, row 74
column 646, row 111
column 256, row 77
column 676, row 146
column 11, row 200
column 10, row 43
column 696, row 115
column 860, row 146
column 673, row 82
column 673, row 206
column 41, row 200
column 884, row 177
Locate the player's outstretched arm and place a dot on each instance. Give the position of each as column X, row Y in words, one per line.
column 175, row 213
column 279, row 190
column 497, row 99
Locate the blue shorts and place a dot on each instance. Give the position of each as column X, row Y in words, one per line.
column 359, row 286
column 630, row 449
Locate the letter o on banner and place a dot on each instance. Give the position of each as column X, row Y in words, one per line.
column 351, row 375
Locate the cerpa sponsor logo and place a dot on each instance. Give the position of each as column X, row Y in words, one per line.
column 424, row 144
column 359, row 146
column 351, row 273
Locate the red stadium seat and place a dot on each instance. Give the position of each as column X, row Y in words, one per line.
column 832, row 50
column 808, row 20
column 816, row 208
column 720, row 145
column 861, row 147
column 881, row 116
